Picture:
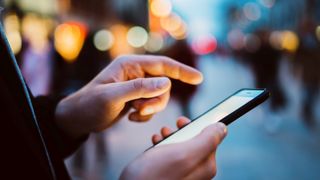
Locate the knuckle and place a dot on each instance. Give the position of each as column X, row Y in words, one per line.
column 138, row 83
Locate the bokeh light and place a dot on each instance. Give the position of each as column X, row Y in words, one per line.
column 137, row 36
column 155, row 42
column 12, row 29
column 69, row 39
column 276, row 39
column 204, row 44
column 161, row 8
column 290, row 41
column 236, row 39
column 268, row 3
column 120, row 45
column 36, row 30
column 180, row 33
column 171, row 23
column 103, row 40
column 252, row 11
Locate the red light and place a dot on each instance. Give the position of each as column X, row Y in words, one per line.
column 204, row 44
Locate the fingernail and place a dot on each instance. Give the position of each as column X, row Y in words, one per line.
column 147, row 111
column 223, row 128
column 162, row 82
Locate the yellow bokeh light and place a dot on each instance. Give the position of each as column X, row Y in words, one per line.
column 69, row 39
column 161, row 8
column 120, row 46
column 11, row 22
column 15, row 41
column 12, row 29
column 290, row 41
column 180, row 33
column 36, row 31
column 171, row 23
column 276, row 39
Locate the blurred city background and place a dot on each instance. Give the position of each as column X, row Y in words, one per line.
column 62, row 44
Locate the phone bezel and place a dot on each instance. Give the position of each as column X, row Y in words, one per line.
column 235, row 114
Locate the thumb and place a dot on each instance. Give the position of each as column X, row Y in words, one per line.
column 204, row 144
column 140, row 88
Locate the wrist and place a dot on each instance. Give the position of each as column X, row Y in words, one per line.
column 66, row 120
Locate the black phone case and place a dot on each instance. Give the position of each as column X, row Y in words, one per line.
column 245, row 108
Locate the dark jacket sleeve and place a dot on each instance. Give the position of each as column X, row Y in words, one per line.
column 45, row 112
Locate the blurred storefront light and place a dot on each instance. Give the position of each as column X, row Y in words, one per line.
column 155, row 42
column 252, row 11
column 205, row 44
column 137, row 36
column 103, row 40
column 69, row 39
column 161, row 8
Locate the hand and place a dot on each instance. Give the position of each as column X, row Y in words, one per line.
column 140, row 81
column 193, row 159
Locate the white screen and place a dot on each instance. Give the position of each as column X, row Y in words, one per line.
column 215, row 115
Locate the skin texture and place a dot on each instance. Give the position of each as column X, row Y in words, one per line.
column 142, row 83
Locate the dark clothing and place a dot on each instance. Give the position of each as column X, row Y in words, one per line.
column 32, row 147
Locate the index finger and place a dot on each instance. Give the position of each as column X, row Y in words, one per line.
column 165, row 66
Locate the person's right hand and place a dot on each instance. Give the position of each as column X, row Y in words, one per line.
column 193, row 159
column 138, row 80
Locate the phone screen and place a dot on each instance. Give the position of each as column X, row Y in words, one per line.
column 212, row 116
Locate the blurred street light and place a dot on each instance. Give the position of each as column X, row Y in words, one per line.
column 161, row 8
column 69, row 39
column 252, row 11
column 137, row 36
column 155, row 42
column 103, row 40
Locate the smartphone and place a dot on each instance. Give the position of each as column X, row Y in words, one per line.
column 226, row 112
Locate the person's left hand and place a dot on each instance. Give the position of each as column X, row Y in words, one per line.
column 191, row 159
column 137, row 80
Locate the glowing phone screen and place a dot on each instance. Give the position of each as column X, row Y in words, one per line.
column 214, row 115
